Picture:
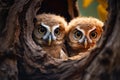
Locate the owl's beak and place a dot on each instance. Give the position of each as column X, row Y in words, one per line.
column 49, row 39
column 85, row 43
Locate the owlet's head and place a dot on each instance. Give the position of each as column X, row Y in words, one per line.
column 84, row 32
column 49, row 30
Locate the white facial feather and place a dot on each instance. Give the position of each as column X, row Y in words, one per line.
column 83, row 32
column 53, row 29
column 90, row 41
column 48, row 30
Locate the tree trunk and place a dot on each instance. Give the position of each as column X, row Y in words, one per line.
column 22, row 59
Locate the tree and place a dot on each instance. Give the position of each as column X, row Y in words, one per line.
column 21, row 58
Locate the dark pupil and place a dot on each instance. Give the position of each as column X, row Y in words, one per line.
column 78, row 34
column 93, row 34
column 42, row 29
column 57, row 31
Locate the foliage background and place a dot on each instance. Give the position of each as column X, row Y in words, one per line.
column 95, row 8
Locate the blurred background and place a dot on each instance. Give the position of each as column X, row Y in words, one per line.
column 95, row 8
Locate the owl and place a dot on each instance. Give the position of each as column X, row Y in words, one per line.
column 49, row 33
column 82, row 34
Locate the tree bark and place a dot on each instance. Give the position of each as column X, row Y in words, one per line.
column 22, row 59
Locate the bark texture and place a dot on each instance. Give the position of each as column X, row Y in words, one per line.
column 22, row 59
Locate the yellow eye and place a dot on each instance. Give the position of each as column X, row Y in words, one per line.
column 93, row 34
column 78, row 34
column 41, row 30
column 57, row 31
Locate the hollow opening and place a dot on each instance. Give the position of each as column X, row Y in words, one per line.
column 61, row 7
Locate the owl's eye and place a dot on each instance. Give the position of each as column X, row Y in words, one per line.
column 57, row 31
column 93, row 34
column 78, row 34
column 41, row 30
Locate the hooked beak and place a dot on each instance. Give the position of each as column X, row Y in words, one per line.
column 49, row 39
column 85, row 43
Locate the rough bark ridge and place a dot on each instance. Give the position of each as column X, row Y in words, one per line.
column 21, row 58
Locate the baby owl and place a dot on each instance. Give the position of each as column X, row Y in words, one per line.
column 49, row 32
column 82, row 34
